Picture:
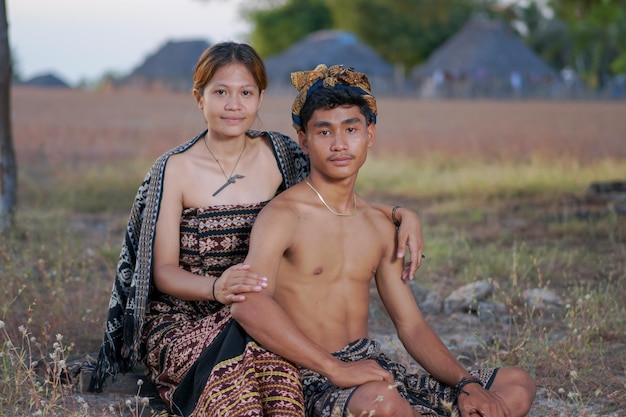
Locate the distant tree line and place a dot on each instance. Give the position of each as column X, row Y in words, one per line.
column 588, row 36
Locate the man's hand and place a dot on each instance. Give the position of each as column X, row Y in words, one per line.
column 477, row 401
column 352, row 374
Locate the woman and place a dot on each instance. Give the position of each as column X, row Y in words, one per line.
column 180, row 266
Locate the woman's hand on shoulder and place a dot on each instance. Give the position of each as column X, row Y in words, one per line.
column 237, row 280
column 410, row 236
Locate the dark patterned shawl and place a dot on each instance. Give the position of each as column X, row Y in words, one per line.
column 121, row 347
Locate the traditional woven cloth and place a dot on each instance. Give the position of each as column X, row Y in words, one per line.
column 323, row 77
column 202, row 361
column 425, row 394
column 122, row 344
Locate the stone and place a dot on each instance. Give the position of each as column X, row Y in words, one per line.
column 541, row 298
column 467, row 297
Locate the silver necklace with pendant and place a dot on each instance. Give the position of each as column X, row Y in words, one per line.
column 229, row 179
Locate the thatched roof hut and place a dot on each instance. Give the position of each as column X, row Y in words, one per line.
column 486, row 57
column 330, row 47
column 47, row 80
column 171, row 67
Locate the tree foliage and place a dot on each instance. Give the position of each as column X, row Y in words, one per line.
column 401, row 31
column 276, row 27
column 548, row 37
column 586, row 35
column 598, row 36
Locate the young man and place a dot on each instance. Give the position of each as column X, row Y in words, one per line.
column 320, row 245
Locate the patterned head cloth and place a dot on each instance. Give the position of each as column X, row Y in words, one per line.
column 336, row 77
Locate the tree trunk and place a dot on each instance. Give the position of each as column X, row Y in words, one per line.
column 8, row 164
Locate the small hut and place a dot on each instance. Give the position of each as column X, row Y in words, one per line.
column 485, row 58
column 170, row 68
column 330, row 47
column 47, row 80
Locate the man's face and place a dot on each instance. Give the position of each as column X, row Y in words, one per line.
column 336, row 140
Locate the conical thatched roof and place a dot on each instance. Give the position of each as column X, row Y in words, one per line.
column 47, row 80
column 330, row 47
column 171, row 66
column 175, row 58
column 484, row 46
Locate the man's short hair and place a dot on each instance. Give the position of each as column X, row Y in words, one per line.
column 328, row 98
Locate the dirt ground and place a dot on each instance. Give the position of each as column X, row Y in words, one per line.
column 465, row 333
column 53, row 127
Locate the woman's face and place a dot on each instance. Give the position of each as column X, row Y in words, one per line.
column 230, row 101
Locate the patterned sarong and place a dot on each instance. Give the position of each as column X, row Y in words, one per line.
column 253, row 383
column 202, row 361
column 425, row 394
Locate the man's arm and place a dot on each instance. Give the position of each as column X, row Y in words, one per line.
column 425, row 346
column 267, row 322
column 421, row 342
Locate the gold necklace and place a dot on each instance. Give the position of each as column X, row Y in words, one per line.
column 229, row 179
column 328, row 207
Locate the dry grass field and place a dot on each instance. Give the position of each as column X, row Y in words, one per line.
column 500, row 187
column 72, row 126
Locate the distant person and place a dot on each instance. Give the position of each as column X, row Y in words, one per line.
column 515, row 79
column 320, row 245
column 180, row 266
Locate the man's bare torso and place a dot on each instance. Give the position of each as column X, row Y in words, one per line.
column 324, row 278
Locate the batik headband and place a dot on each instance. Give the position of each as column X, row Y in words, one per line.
column 336, row 77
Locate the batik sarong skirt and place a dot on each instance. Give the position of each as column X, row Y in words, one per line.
column 425, row 394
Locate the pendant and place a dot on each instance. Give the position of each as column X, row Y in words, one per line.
column 229, row 181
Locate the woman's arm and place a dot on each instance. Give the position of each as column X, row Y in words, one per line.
column 170, row 278
column 409, row 235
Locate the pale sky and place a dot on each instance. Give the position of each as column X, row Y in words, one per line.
column 83, row 39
